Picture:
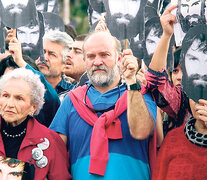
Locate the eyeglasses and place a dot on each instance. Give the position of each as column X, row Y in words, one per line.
column 100, row 110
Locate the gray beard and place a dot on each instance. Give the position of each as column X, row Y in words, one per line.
column 100, row 79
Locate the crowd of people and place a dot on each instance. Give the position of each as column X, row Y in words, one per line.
column 87, row 110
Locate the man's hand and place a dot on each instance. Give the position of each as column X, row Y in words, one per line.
column 11, row 33
column 15, row 49
column 129, row 67
column 101, row 26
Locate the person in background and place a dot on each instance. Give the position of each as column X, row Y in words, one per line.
column 55, row 44
column 182, row 151
column 74, row 64
column 168, row 96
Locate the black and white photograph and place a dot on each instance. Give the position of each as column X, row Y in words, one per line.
column 30, row 37
column 125, row 18
column 17, row 13
column 53, row 22
column 194, row 62
column 93, row 15
column 53, row 6
column 189, row 14
column 41, row 5
column 153, row 32
column 97, row 5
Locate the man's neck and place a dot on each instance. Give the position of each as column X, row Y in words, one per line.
column 54, row 81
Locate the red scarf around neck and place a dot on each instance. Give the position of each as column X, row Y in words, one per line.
column 107, row 126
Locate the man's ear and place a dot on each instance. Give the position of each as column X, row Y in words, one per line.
column 119, row 59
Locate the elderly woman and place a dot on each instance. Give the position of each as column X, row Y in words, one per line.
column 51, row 98
column 22, row 137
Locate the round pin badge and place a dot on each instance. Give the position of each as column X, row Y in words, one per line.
column 42, row 162
column 37, row 153
column 44, row 145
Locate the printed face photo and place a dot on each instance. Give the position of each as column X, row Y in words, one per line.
column 17, row 13
column 14, row 6
column 53, row 6
column 31, row 40
column 11, row 173
column 14, row 169
column 152, row 41
column 191, row 10
column 11, row 169
column 122, row 14
column 125, row 18
column 28, row 36
column 196, row 63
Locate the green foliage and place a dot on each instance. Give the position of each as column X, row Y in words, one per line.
column 79, row 13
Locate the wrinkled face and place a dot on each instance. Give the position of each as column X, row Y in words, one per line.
column 53, row 58
column 177, row 75
column 75, row 65
column 101, row 60
column 196, row 64
column 14, row 6
column 28, row 36
column 124, row 10
column 11, row 173
column 191, row 9
column 15, row 101
column 152, row 41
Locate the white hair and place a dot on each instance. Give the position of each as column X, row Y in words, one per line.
column 60, row 38
column 33, row 80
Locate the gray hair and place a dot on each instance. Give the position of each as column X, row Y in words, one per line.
column 60, row 38
column 33, row 80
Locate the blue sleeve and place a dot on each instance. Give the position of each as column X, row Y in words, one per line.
column 60, row 121
column 151, row 106
column 48, row 86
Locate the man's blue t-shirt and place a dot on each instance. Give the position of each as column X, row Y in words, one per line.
column 128, row 157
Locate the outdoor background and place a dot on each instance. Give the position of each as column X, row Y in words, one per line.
column 75, row 13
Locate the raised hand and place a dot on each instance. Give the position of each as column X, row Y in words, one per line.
column 129, row 66
column 101, row 26
column 167, row 20
column 15, row 49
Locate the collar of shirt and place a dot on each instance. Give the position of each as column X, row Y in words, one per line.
column 63, row 86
